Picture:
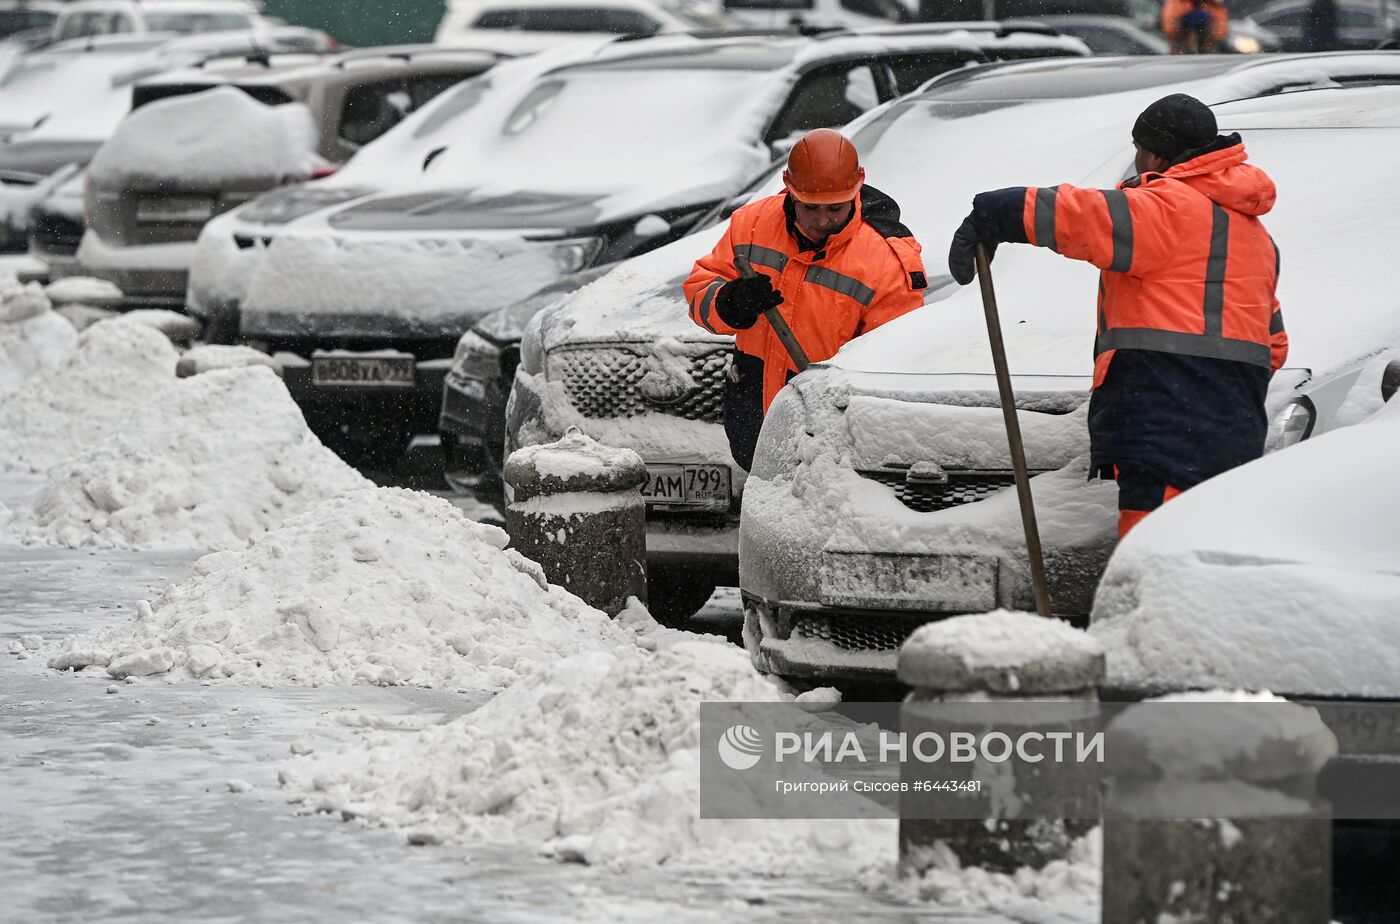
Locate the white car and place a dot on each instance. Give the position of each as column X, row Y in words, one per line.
column 522, row 26
column 817, row 14
column 858, row 525
column 86, row 18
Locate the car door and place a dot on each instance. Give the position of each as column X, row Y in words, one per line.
column 828, row 96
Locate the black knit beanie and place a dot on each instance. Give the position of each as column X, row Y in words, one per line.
column 1174, row 125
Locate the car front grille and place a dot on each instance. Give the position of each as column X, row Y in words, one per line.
column 961, row 488
column 625, row 381
column 56, row 234
column 858, row 632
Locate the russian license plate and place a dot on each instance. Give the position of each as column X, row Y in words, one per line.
column 360, row 370
column 874, row 580
column 691, row 485
column 155, row 209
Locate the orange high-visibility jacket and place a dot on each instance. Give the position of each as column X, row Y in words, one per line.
column 1188, row 267
column 1174, row 10
column 860, row 279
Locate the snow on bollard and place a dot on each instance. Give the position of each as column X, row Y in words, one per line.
column 1249, row 760
column 577, row 510
column 990, row 671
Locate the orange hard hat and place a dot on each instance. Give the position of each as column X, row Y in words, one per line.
column 823, row 168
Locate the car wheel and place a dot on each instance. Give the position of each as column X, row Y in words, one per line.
column 675, row 596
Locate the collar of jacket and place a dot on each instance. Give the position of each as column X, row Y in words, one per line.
column 1219, row 172
column 834, row 241
column 1224, row 151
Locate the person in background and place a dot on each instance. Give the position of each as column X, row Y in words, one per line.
column 1195, row 26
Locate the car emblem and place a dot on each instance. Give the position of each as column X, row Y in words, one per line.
column 666, row 379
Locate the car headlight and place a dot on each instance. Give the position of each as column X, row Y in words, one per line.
column 577, row 253
column 1247, row 45
column 1292, row 425
column 476, row 358
column 780, row 441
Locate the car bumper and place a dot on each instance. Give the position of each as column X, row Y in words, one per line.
column 149, row 277
column 472, row 425
column 407, row 408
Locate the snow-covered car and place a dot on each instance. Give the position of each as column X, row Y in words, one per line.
column 1359, row 24
column 523, row 26
column 60, row 103
column 1107, row 35
column 816, row 14
column 484, row 361
column 85, row 18
column 635, row 319
column 611, row 155
column 879, row 497
column 143, row 221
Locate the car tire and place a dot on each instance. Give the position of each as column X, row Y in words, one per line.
column 673, row 596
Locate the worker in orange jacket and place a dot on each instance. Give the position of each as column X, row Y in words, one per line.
column 1195, row 26
column 829, row 253
column 1189, row 326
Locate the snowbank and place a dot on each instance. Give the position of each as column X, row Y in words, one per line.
column 206, row 138
column 75, row 405
column 33, row 339
column 1071, row 884
column 1293, row 553
column 83, row 290
column 375, row 585
column 207, row 462
column 597, row 757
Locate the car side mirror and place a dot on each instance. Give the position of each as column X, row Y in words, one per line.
column 649, row 226
column 1390, row 380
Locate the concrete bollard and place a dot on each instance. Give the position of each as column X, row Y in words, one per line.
column 1264, row 856
column 577, row 510
column 1020, row 664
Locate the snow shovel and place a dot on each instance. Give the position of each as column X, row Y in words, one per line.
column 1013, row 432
column 777, row 321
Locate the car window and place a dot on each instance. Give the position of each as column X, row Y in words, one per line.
column 187, row 23
column 913, row 71
column 877, row 9
column 1106, row 41
column 82, row 24
column 498, row 19
column 427, row 86
column 1351, row 17
column 18, row 20
column 769, row 4
column 459, row 101
column 1289, row 19
column 570, row 19
column 371, row 109
column 826, row 98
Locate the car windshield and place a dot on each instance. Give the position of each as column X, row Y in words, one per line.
column 197, row 22
column 604, row 131
column 18, row 20
column 1084, row 78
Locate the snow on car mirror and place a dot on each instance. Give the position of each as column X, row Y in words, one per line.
column 649, row 226
column 400, row 102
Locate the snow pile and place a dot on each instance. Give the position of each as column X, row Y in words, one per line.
column 215, row 136
column 208, row 462
column 1071, row 884
column 77, row 404
column 375, row 585
column 83, row 290
column 1294, row 552
column 210, row 356
column 598, row 757
column 33, row 339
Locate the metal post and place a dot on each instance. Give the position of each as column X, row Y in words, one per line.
column 1013, row 433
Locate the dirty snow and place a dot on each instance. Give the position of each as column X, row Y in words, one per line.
column 33, row 339
column 376, row 585
column 74, row 406
column 596, row 758
column 207, row 462
column 213, row 137
column 1294, row 552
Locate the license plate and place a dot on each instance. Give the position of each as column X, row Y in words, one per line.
column 1361, row 728
column 691, row 485
column 154, row 209
column 337, row 370
column 942, row 583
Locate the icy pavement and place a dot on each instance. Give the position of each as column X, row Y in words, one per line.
column 158, row 801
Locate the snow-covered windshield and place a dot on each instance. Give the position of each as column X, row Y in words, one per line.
column 603, row 131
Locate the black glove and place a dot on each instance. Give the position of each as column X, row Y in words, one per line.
column 962, row 256
column 739, row 302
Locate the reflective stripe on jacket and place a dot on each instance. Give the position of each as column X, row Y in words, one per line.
column 1188, row 268
column 866, row 274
